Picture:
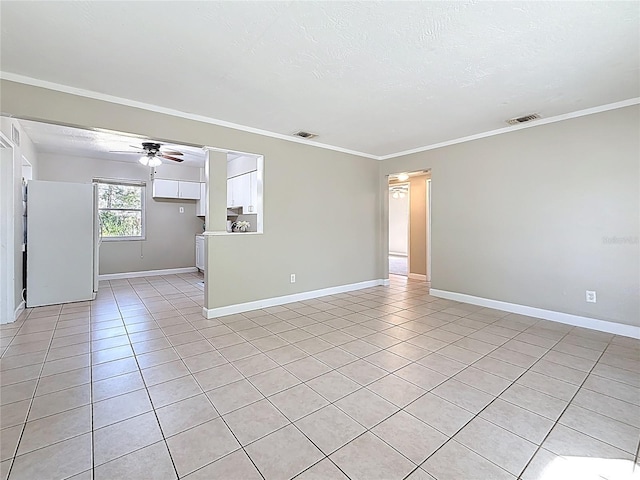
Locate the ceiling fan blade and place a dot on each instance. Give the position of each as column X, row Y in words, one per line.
column 128, row 151
column 171, row 158
column 171, row 152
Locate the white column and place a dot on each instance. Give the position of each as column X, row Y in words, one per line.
column 215, row 173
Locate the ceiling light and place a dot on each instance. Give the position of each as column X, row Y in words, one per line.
column 403, row 177
column 144, row 160
column 399, row 191
column 154, row 161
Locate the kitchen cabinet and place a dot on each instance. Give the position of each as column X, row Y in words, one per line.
column 201, row 203
column 200, row 252
column 176, row 189
column 252, row 205
column 189, row 190
column 165, row 188
column 242, row 191
column 230, row 188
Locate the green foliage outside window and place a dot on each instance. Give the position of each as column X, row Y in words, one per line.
column 120, row 208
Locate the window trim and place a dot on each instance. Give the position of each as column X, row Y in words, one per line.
column 142, row 210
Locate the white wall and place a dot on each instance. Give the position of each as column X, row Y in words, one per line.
column 170, row 235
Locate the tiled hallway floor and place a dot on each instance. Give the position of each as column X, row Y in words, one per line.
column 385, row 383
column 398, row 265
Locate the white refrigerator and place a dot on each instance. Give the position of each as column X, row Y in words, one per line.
column 63, row 240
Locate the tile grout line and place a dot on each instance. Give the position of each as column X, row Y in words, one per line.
column 26, row 418
column 312, row 355
column 93, row 446
column 367, row 429
column 562, row 413
column 212, row 405
column 146, row 388
column 291, row 422
column 483, row 409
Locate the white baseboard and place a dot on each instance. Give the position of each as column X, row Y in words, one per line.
column 417, row 276
column 19, row 310
column 296, row 297
column 147, row 273
column 566, row 318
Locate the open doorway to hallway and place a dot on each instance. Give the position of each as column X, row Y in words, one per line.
column 409, row 225
column 399, row 229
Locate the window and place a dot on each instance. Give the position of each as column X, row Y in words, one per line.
column 121, row 209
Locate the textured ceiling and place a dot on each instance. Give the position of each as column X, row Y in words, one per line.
column 374, row 77
column 97, row 144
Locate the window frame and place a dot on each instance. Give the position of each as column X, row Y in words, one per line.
column 143, row 197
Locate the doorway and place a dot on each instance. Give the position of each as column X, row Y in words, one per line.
column 410, row 225
column 7, row 237
column 399, row 229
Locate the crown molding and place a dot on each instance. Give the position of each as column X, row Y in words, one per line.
column 542, row 121
column 13, row 77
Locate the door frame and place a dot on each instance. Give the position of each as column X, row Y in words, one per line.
column 7, row 230
column 385, row 214
column 429, row 230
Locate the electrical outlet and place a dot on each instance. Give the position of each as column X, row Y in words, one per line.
column 591, row 296
column 293, row 278
column 181, row 209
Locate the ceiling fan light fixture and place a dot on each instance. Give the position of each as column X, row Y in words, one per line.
column 151, row 154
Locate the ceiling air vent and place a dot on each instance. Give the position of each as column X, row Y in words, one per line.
column 303, row 134
column 525, row 119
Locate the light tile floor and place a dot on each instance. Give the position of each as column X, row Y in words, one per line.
column 398, row 265
column 386, row 382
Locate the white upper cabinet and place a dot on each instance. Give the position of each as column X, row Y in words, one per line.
column 189, row 190
column 230, row 184
column 236, row 187
column 252, row 204
column 176, row 189
column 242, row 185
column 242, row 191
column 165, row 188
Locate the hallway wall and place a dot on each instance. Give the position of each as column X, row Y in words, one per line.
column 418, row 225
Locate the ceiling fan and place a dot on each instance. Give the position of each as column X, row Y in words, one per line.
column 151, row 153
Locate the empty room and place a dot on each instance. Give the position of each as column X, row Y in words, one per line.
column 319, row 240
